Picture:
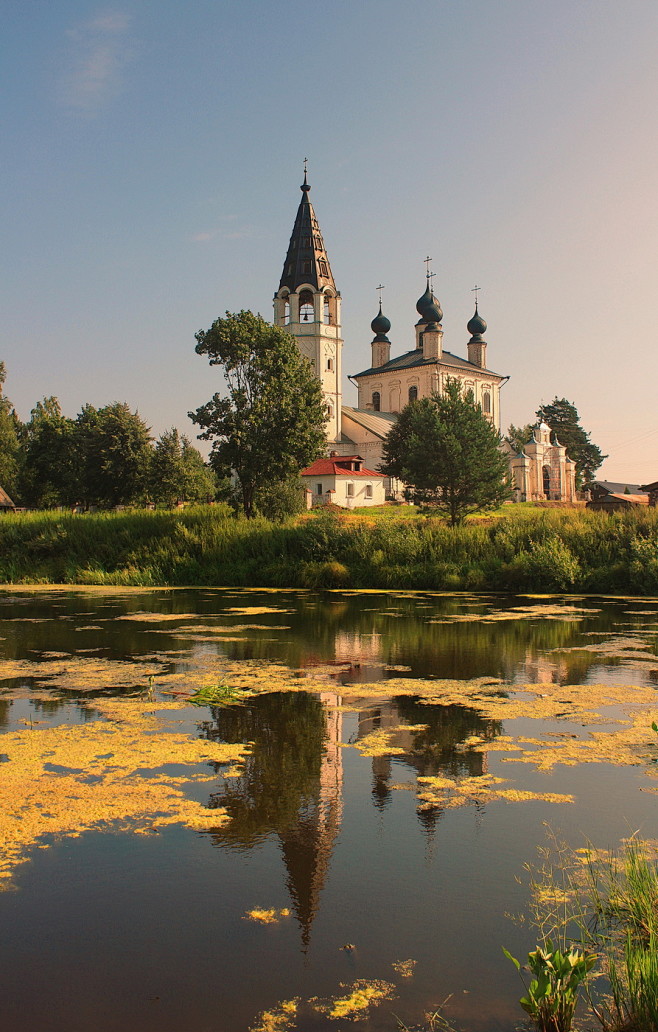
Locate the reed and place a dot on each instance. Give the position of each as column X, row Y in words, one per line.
column 546, row 550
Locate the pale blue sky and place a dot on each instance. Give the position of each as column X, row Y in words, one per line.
column 152, row 156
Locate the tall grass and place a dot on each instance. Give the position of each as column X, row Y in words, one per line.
column 604, row 904
column 547, row 550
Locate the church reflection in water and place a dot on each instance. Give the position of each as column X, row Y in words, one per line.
column 291, row 785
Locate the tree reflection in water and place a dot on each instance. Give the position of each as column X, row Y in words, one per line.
column 430, row 751
column 291, row 785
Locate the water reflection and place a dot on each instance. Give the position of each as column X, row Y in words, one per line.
column 434, row 749
column 291, row 786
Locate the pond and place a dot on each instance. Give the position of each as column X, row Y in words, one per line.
column 337, row 837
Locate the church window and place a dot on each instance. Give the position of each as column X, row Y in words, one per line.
column 306, row 266
column 286, row 312
column 306, row 242
column 376, row 401
column 330, row 363
column 486, row 403
column 349, row 490
column 326, row 307
column 413, row 394
column 323, row 267
column 368, row 490
column 330, row 410
column 546, row 478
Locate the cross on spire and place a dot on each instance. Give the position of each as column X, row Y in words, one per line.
column 429, row 274
column 474, row 290
column 380, row 288
column 305, row 165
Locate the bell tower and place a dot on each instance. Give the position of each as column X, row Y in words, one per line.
column 307, row 305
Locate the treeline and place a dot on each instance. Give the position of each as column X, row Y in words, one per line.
column 104, row 457
column 560, row 551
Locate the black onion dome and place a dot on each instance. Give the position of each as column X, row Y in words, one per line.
column 380, row 324
column 433, row 312
column 476, row 326
column 424, row 301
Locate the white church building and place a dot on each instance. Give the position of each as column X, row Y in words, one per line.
column 307, row 305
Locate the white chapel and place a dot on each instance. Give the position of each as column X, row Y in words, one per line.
column 307, row 305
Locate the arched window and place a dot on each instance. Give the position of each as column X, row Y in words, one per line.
column 286, row 312
column 326, row 311
column 306, row 309
column 546, row 477
column 330, row 364
column 376, row 401
column 486, row 403
column 330, row 410
column 413, row 394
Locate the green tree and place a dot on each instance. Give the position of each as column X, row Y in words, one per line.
column 10, row 445
column 48, row 475
column 562, row 417
column 271, row 423
column 518, row 436
column 113, row 449
column 448, row 454
column 281, row 500
column 178, row 472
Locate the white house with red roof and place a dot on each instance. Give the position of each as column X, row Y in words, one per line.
column 343, row 480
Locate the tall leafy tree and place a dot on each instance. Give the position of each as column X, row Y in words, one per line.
column 448, row 454
column 562, row 417
column 270, row 423
column 178, row 472
column 518, row 436
column 114, row 451
column 10, row 445
column 48, row 475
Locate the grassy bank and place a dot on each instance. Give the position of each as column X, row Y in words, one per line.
column 546, row 550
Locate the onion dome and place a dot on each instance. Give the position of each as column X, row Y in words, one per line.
column 428, row 307
column 476, row 326
column 380, row 325
column 433, row 313
column 424, row 301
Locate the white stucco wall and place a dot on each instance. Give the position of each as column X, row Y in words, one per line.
column 339, row 486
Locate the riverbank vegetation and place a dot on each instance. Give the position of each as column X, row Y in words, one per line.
column 544, row 550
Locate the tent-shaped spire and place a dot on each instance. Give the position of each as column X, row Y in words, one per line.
column 306, row 260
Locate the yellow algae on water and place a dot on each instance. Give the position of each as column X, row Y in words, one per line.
column 404, row 968
column 278, row 1019
column 450, row 792
column 266, row 916
column 378, row 743
column 257, row 610
column 361, row 996
column 151, row 617
column 103, row 775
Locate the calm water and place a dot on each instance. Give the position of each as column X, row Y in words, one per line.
column 117, row 932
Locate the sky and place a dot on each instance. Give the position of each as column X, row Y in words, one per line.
column 152, row 153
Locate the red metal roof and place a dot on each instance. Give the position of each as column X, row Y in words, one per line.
column 337, row 465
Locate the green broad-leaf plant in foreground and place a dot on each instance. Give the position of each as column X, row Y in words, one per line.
column 552, row 993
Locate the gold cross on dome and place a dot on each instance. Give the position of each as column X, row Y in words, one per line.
column 380, row 288
column 474, row 290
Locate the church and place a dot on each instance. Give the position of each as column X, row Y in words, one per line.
column 307, row 304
